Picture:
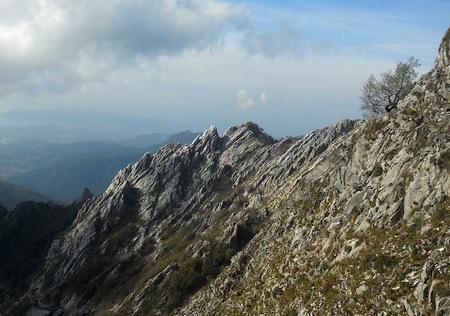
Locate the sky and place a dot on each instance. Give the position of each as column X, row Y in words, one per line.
column 289, row 66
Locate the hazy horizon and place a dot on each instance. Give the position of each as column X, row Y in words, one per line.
column 289, row 66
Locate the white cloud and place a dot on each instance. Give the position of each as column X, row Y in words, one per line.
column 263, row 99
column 87, row 40
column 244, row 100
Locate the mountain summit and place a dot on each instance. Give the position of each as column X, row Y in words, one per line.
column 349, row 220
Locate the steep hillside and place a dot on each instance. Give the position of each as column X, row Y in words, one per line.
column 66, row 177
column 352, row 219
column 26, row 235
column 3, row 212
column 169, row 224
column 63, row 170
column 11, row 194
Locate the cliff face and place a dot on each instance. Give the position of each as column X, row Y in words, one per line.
column 351, row 219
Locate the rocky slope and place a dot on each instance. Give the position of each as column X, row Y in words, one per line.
column 362, row 229
column 349, row 220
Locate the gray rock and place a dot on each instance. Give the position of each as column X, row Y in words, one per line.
column 443, row 307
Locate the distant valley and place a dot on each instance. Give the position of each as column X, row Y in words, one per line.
column 11, row 194
column 63, row 169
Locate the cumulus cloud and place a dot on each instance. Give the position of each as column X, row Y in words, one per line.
column 68, row 43
column 263, row 99
column 246, row 101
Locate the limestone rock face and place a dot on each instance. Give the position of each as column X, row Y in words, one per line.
column 352, row 219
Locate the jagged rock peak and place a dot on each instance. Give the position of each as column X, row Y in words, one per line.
column 85, row 195
column 245, row 127
column 245, row 132
column 429, row 99
column 241, row 133
column 210, row 132
column 237, row 137
column 209, row 140
column 443, row 59
column 233, row 145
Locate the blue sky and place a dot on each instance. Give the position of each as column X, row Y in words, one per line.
column 289, row 66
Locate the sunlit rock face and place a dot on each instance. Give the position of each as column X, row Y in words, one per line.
column 352, row 219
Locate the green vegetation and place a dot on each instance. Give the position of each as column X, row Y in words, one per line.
column 440, row 217
column 374, row 128
column 179, row 269
column 443, row 161
column 374, row 279
column 377, row 170
column 194, row 273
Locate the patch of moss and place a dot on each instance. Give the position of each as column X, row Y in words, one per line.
column 377, row 170
column 443, row 161
column 373, row 128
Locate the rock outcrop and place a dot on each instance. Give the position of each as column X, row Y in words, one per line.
column 352, row 219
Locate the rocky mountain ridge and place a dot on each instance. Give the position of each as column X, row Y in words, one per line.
column 349, row 220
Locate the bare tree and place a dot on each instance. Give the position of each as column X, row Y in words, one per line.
column 380, row 96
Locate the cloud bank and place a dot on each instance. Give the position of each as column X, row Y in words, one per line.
column 55, row 45
column 291, row 66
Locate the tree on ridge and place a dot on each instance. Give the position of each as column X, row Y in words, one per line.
column 382, row 95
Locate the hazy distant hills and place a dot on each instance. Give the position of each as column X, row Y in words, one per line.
column 64, row 170
column 28, row 155
column 11, row 194
column 145, row 140
column 62, row 125
column 59, row 152
column 65, row 178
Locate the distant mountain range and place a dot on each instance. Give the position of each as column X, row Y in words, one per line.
column 63, row 125
column 11, row 194
column 64, row 170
